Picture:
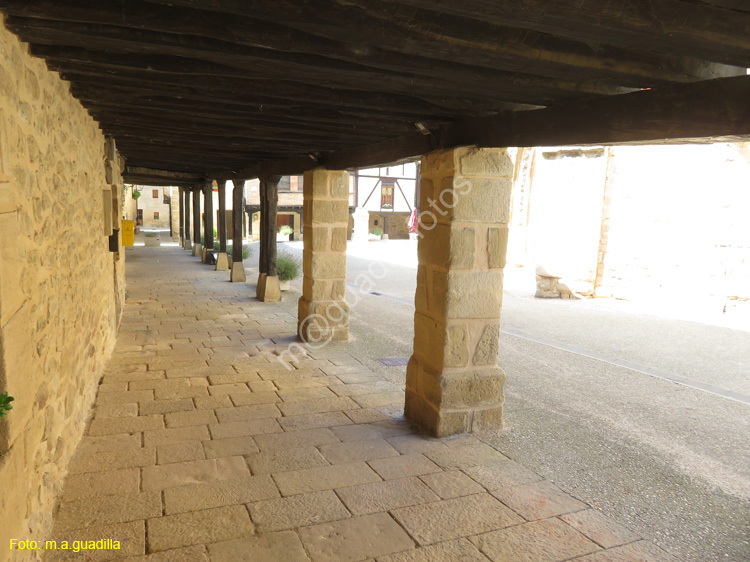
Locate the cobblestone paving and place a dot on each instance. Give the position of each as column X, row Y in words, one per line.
column 204, row 446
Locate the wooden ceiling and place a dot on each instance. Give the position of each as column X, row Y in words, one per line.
column 211, row 88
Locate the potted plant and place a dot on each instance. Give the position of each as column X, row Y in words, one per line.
column 287, row 268
column 152, row 239
column 5, row 406
column 376, row 233
column 284, row 232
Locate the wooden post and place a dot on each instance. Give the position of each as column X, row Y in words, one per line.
column 208, row 206
column 182, row 216
column 268, row 280
column 197, row 248
column 238, row 268
column 262, row 258
column 187, row 245
column 222, row 260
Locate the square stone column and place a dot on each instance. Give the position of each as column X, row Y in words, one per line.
column 323, row 314
column 453, row 383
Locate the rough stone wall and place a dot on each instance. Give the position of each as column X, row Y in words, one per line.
column 58, row 297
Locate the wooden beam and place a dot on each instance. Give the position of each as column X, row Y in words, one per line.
column 422, row 33
column 715, row 109
column 237, row 194
column 670, row 26
column 222, row 184
column 208, row 206
column 271, row 193
column 164, row 177
column 316, row 59
column 187, row 195
column 197, row 222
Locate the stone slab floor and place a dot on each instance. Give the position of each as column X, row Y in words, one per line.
column 203, row 446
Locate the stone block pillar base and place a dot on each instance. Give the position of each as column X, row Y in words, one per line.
column 204, row 255
column 237, row 273
column 197, row 249
column 222, row 261
column 453, row 383
column 187, row 245
column 271, row 289
column 322, row 312
column 261, row 286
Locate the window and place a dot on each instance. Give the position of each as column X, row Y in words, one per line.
column 140, row 213
column 386, row 195
column 156, row 215
column 155, row 193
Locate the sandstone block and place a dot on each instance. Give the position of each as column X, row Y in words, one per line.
column 488, row 345
column 449, row 551
column 384, row 496
column 180, row 474
column 356, row 538
column 452, row 484
column 297, row 511
column 328, row 266
column 270, row 547
column 550, row 539
column 467, row 294
column 217, row 494
column 105, row 510
column 324, row 478
column 497, row 246
column 230, row 447
column 476, row 199
column 491, row 162
column 403, row 466
column 207, row 526
column 456, row 351
column 180, row 452
column 450, row 519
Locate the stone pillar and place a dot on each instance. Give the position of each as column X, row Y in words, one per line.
column 208, row 206
column 222, row 260
column 453, row 383
column 268, row 280
column 197, row 247
column 323, row 314
column 237, row 274
column 361, row 231
column 181, row 203
column 187, row 244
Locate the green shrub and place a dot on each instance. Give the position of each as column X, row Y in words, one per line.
column 286, row 230
column 245, row 251
column 377, row 231
column 136, row 194
column 5, row 406
column 287, row 266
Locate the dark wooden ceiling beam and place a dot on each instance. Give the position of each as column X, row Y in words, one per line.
column 189, row 40
column 284, row 91
column 62, row 58
column 714, row 109
column 149, row 176
column 671, row 26
column 423, row 32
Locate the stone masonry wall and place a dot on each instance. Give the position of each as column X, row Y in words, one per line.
column 59, row 284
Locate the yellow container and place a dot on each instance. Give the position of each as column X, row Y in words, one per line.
column 128, row 233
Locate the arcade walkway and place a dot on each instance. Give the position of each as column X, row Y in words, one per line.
column 203, row 446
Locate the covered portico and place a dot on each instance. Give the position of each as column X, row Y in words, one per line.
column 196, row 91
